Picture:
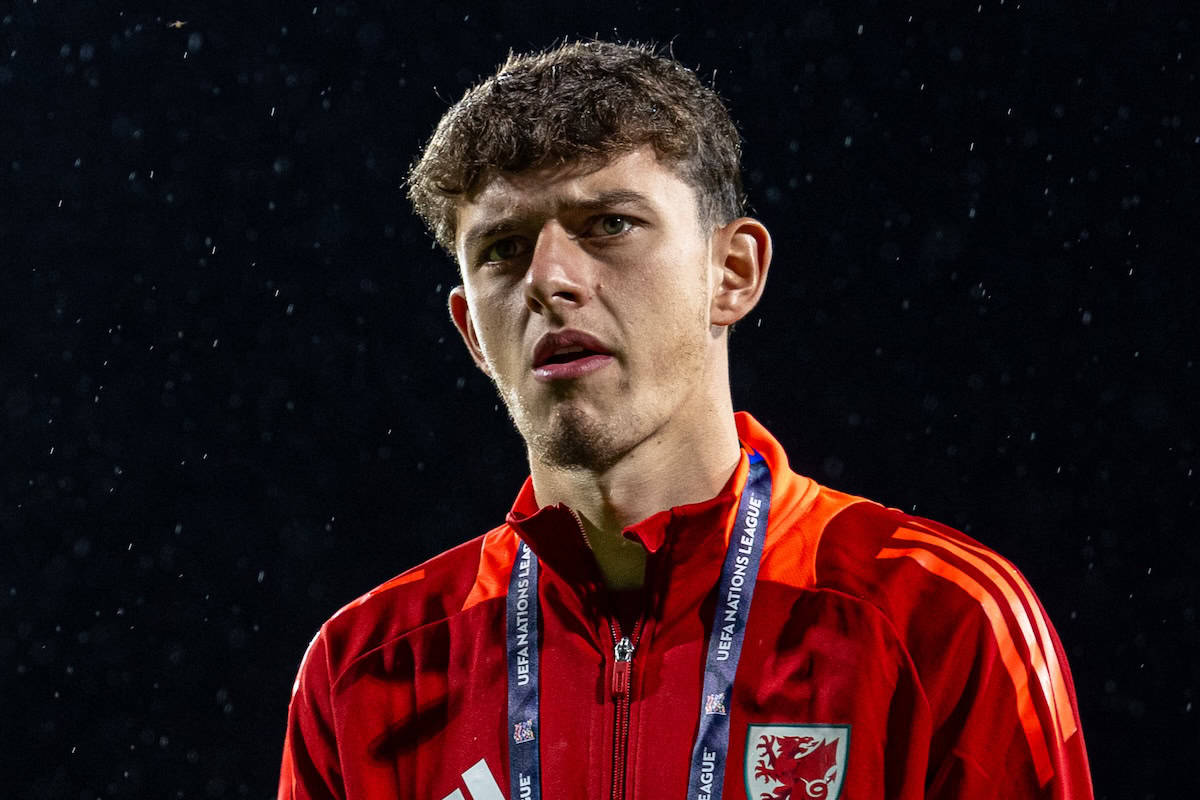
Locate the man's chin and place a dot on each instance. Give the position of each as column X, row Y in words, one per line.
column 576, row 438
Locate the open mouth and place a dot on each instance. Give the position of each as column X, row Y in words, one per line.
column 567, row 355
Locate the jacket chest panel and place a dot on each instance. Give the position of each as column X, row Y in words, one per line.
column 416, row 714
column 813, row 662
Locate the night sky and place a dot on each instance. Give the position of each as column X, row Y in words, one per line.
column 232, row 399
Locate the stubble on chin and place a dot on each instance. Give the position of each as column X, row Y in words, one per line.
column 567, row 436
column 575, row 439
column 570, row 436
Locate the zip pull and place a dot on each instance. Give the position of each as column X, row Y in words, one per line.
column 623, row 651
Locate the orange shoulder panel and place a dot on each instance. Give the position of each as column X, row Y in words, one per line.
column 805, row 509
column 499, row 553
column 800, row 510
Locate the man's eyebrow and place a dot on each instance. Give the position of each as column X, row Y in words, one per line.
column 607, row 199
column 613, row 197
column 480, row 234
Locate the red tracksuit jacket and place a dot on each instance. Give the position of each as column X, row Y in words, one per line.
column 886, row 656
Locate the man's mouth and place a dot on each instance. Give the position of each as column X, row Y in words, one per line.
column 568, row 354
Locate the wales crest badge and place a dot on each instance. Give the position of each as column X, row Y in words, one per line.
column 796, row 762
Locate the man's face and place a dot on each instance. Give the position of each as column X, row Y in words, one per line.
column 586, row 298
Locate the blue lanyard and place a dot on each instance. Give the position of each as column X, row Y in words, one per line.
column 526, row 766
column 734, row 593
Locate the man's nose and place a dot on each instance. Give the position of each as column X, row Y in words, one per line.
column 559, row 272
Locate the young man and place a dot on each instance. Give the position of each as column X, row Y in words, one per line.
column 668, row 610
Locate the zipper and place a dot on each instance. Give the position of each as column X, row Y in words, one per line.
column 622, row 688
column 622, row 684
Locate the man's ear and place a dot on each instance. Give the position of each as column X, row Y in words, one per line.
column 460, row 313
column 742, row 255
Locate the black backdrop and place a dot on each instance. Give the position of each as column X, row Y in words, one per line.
column 232, row 400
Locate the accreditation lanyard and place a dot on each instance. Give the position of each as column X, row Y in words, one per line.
column 734, row 593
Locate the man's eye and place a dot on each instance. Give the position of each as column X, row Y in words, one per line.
column 503, row 250
column 613, row 225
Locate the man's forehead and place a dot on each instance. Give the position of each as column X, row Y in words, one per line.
column 570, row 180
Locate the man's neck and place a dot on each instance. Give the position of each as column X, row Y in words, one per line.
column 674, row 469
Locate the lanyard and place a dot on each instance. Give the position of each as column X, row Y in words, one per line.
column 524, row 762
column 734, row 593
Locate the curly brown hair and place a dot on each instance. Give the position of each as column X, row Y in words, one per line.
column 582, row 101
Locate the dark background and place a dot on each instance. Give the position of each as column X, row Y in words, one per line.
column 232, row 400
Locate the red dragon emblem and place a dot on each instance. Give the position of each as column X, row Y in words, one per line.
column 805, row 767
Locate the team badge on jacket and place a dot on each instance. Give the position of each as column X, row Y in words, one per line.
column 796, row 762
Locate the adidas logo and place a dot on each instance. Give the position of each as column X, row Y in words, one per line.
column 480, row 784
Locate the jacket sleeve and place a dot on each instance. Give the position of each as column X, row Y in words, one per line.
column 311, row 768
column 1005, row 723
column 1007, row 740
column 1009, row 720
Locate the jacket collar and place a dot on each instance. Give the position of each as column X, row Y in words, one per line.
column 683, row 535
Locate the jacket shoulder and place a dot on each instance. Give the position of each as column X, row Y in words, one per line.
column 920, row 573
column 426, row 594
